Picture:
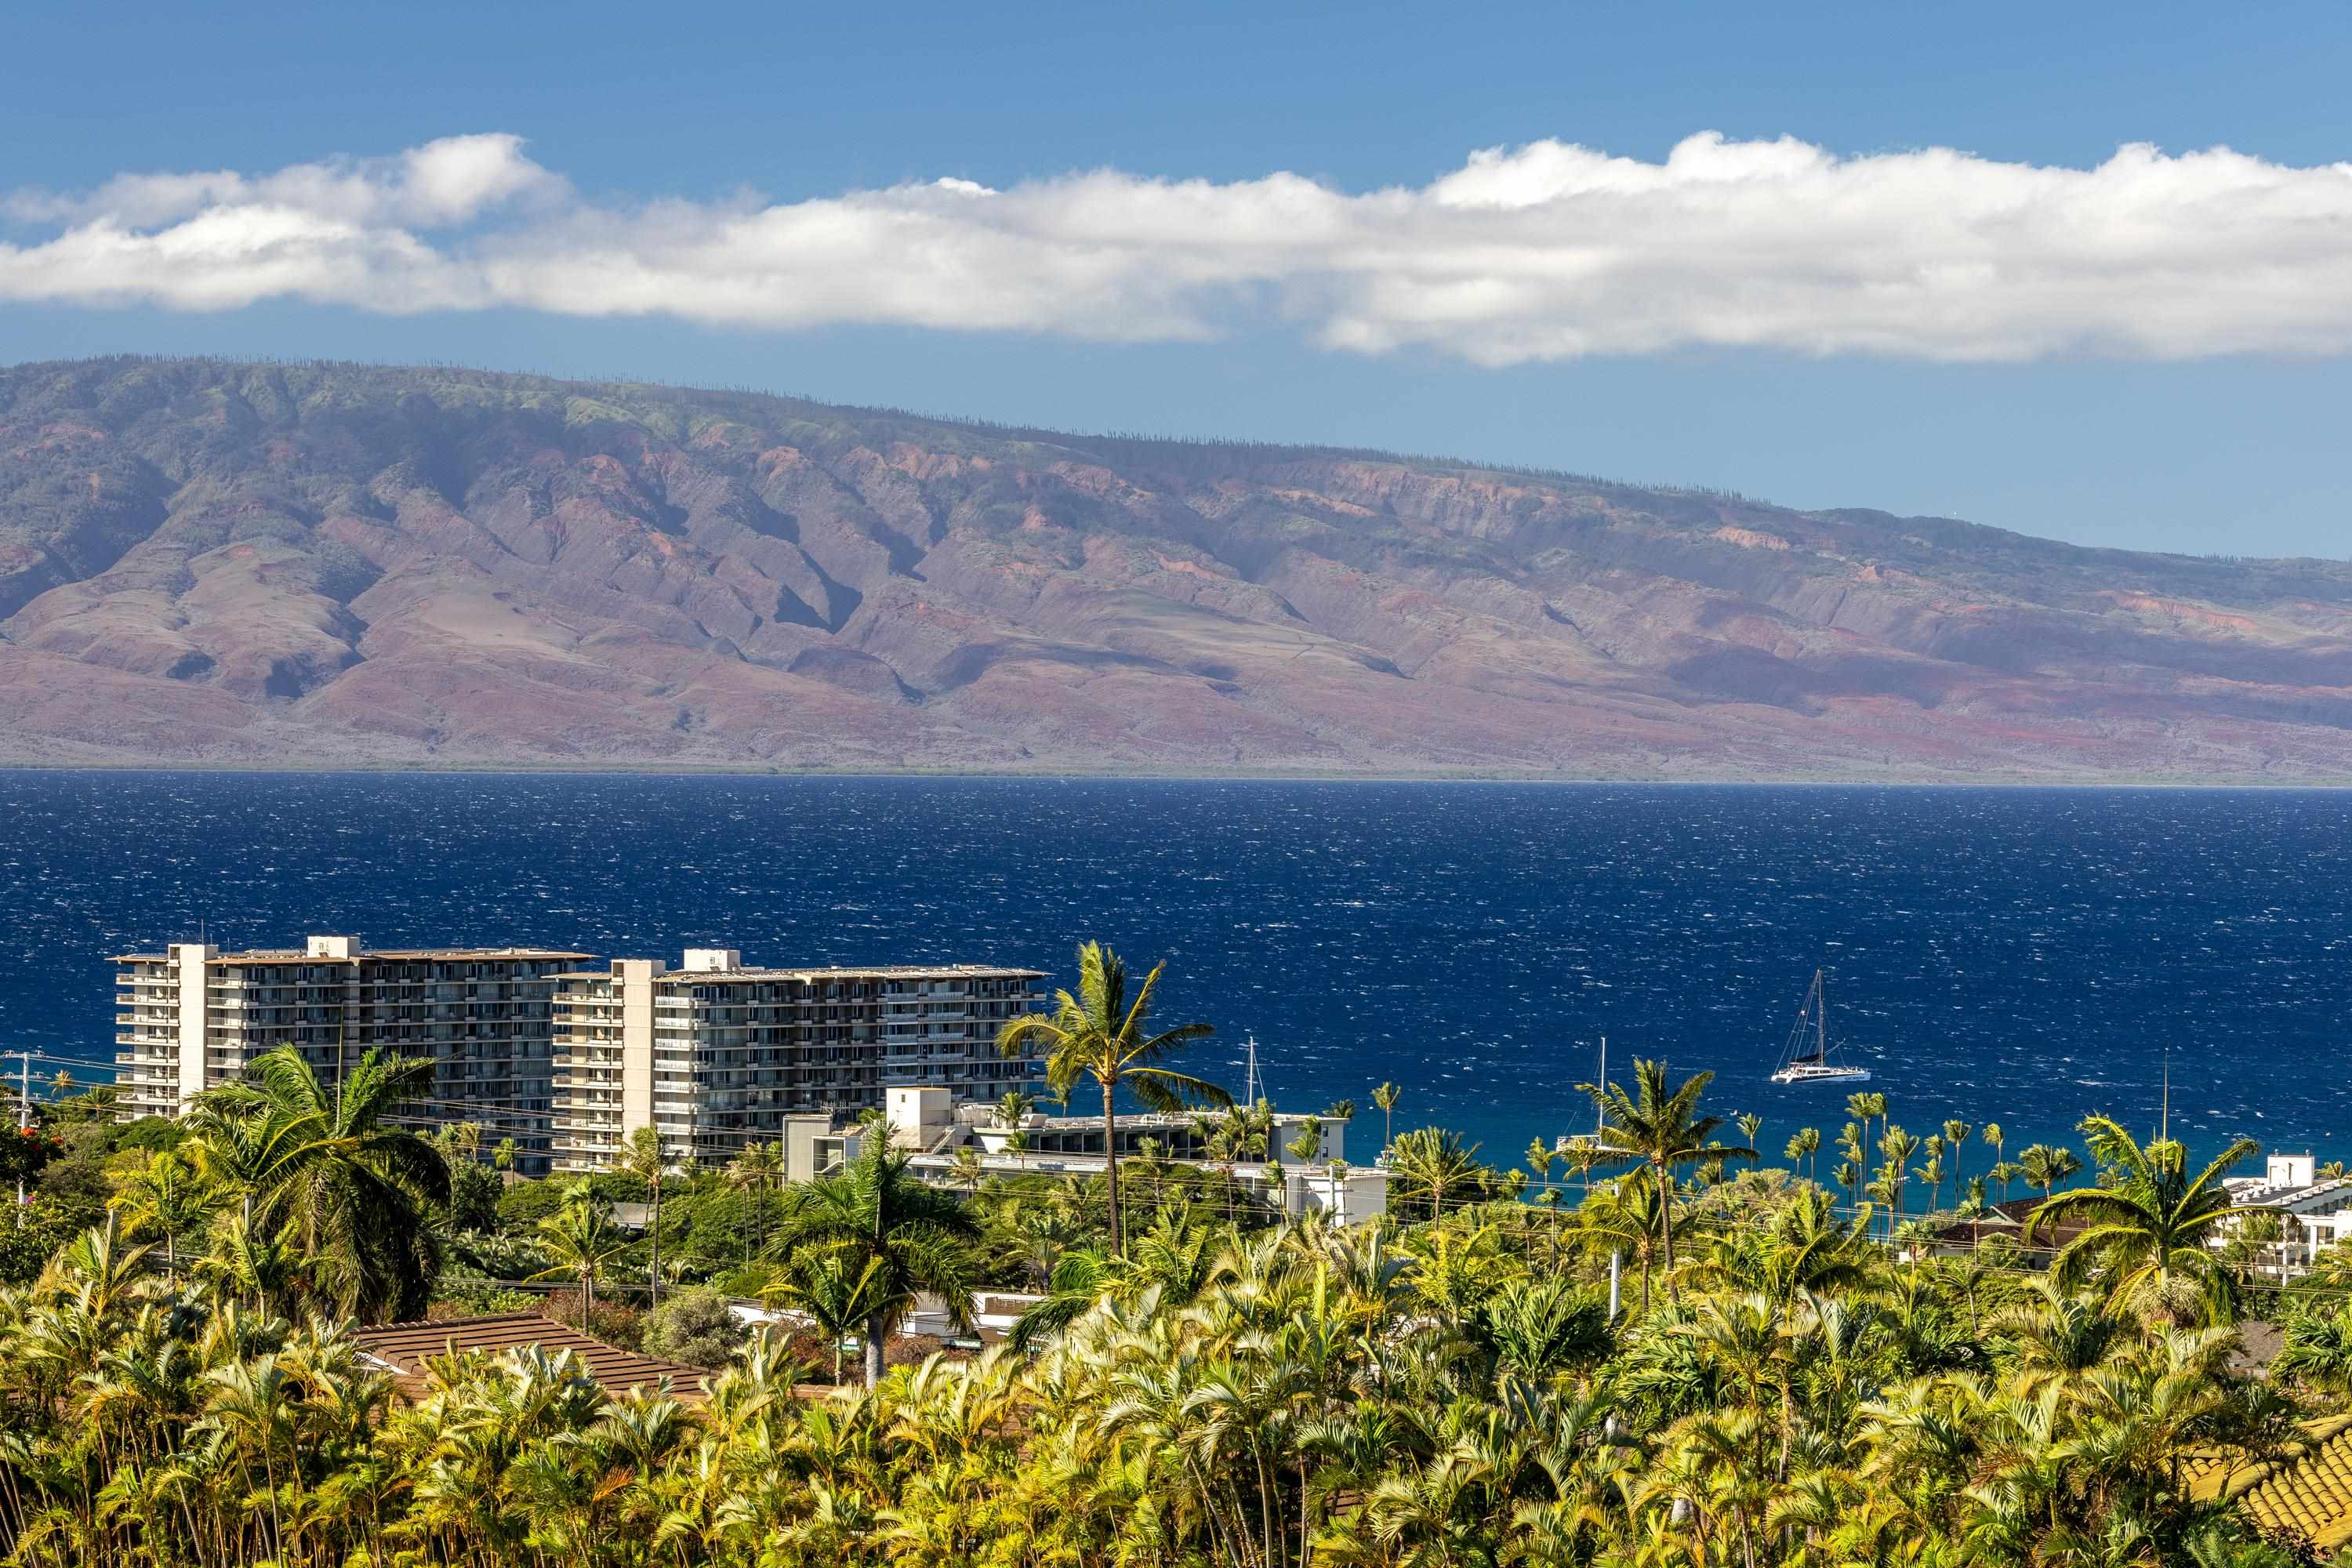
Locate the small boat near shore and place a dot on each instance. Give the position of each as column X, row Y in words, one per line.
column 1810, row 1056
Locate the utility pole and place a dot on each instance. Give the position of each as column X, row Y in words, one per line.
column 24, row 1118
column 1600, row 1122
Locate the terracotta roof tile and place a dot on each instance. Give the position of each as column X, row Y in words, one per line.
column 405, row 1348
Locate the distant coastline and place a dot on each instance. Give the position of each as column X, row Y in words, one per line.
column 750, row 770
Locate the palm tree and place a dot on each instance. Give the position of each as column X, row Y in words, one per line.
column 1955, row 1138
column 1896, row 1146
column 645, row 1159
column 1661, row 1129
column 253, row 1267
column 1385, row 1096
column 1629, row 1214
column 163, row 1193
column 2045, row 1167
column 502, row 1158
column 838, row 1288
column 879, row 1212
column 1861, row 1107
column 966, row 1164
column 757, row 1168
column 581, row 1239
column 1804, row 1144
column 1428, row 1164
column 2150, row 1229
column 2005, row 1171
column 1100, row 1034
column 353, row 1190
column 2317, row 1353
column 1309, row 1141
column 1541, row 1156
column 1931, row 1168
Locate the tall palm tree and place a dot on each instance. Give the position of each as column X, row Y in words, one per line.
column 1896, row 1147
column 1956, row 1137
column 1541, row 1156
column 644, row 1158
column 1431, row 1166
column 759, row 1167
column 877, row 1212
column 1101, row 1033
column 585, row 1243
column 1804, row 1144
column 163, row 1193
column 1863, row 1106
column 968, row 1169
column 837, row 1288
column 353, row 1191
column 243, row 1142
column 1629, row 1215
column 2150, row 1229
column 1661, row 1128
column 1385, row 1096
column 2044, row 1167
column 1993, row 1137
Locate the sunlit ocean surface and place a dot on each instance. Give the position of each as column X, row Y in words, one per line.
column 2021, row 956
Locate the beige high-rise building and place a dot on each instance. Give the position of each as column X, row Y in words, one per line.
column 191, row 1017
column 717, row 1055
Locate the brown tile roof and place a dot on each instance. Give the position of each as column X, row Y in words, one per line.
column 2010, row 1219
column 405, row 1348
column 2305, row 1492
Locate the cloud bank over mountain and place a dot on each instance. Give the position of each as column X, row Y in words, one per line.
column 1545, row 251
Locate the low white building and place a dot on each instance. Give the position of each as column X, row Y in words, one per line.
column 950, row 1141
column 2316, row 1211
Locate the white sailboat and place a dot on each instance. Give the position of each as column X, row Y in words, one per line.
column 1807, row 1058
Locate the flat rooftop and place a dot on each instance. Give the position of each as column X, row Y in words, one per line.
column 395, row 955
column 847, row 972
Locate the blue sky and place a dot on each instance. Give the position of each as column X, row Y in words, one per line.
column 2221, row 435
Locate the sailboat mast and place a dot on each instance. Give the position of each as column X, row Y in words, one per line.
column 1820, row 1020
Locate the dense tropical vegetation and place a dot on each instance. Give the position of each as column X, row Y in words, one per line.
column 1796, row 1372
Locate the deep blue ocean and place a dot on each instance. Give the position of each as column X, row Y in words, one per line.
column 2022, row 956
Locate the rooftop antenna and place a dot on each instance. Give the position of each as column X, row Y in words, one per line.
column 2163, row 1117
column 1249, row 1083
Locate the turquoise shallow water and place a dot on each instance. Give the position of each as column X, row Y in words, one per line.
column 2026, row 956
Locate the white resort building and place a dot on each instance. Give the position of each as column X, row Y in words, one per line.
column 2315, row 1210
column 191, row 1017
column 718, row 1055
column 950, row 1141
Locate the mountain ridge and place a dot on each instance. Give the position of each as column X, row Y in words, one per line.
column 248, row 564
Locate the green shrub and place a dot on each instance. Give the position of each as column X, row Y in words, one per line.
column 695, row 1327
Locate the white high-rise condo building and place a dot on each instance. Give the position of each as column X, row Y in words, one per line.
column 190, row 1017
column 717, row 1055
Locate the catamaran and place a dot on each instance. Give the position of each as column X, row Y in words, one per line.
column 1806, row 1058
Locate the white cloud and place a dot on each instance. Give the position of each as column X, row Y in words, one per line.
column 1545, row 251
